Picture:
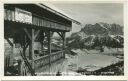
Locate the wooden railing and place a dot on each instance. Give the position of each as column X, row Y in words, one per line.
column 37, row 21
column 44, row 60
column 56, row 56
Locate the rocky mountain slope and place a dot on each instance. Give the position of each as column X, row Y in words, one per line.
column 97, row 35
column 102, row 29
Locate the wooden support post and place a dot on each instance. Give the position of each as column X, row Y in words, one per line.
column 49, row 48
column 31, row 48
column 64, row 43
column 32, row 42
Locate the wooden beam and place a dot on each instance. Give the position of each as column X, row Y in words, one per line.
column 60, row 34
column 31, row 48
column 49, row 48
column 37, row 33
column 32, row 41
column 28, row 34
column 64, row 43
column 11, row 44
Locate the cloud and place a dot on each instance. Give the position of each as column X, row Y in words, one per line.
column 94, row 12
column 91, row 13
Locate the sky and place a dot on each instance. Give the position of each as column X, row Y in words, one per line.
column 91, row 13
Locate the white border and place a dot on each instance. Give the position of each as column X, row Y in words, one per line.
column 125, row 77
column 1, row 40
column 65, row 78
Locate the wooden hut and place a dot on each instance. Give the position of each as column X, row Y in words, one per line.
column 28, row 29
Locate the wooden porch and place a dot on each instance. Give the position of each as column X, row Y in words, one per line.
column 28, row 30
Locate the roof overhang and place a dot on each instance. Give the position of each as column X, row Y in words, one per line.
column 58, row 13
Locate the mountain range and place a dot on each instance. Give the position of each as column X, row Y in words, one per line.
column 102, row 29
column 98, row 34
